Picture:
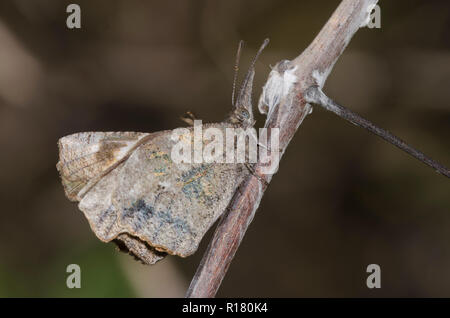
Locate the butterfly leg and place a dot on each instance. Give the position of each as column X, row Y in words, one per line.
column 188, row 118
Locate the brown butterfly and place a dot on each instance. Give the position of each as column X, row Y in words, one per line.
column 134, row 194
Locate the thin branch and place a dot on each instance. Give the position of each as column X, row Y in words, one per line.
column 315, row 95
column 291, row 108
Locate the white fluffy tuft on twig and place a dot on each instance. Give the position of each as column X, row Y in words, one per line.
column 277, row 87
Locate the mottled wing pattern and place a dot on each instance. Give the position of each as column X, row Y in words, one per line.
column 102, row 215
column 171, row 206
column 86, row 157
column 132, row 192
column 90, row 158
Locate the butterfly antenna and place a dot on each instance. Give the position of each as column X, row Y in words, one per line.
column 236, row 69
column 252, row 66
column 262, row 47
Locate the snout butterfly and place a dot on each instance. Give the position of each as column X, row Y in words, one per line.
column 132, row 193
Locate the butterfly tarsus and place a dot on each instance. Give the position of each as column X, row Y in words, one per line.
column 189, row 118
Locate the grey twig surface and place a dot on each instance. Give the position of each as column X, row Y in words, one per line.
column 287, row 113
column 315, row 95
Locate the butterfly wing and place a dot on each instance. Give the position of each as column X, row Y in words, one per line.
column 172, row 205
column 132, row 192
column 89, row 165
column 85, row 157
column 139, row 249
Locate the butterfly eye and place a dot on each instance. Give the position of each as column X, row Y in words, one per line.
column 244, row 114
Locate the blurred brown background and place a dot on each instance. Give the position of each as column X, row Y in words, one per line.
column 341, row 200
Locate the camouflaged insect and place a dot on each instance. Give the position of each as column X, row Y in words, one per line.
column 132, row 193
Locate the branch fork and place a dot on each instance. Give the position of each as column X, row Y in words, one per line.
column 287, row 94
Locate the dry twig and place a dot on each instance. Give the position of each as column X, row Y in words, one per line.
column 315, row 95
column 310, row 68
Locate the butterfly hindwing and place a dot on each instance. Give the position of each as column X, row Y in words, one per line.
column 133, row 193
column 93, row 160
column 172, row 205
